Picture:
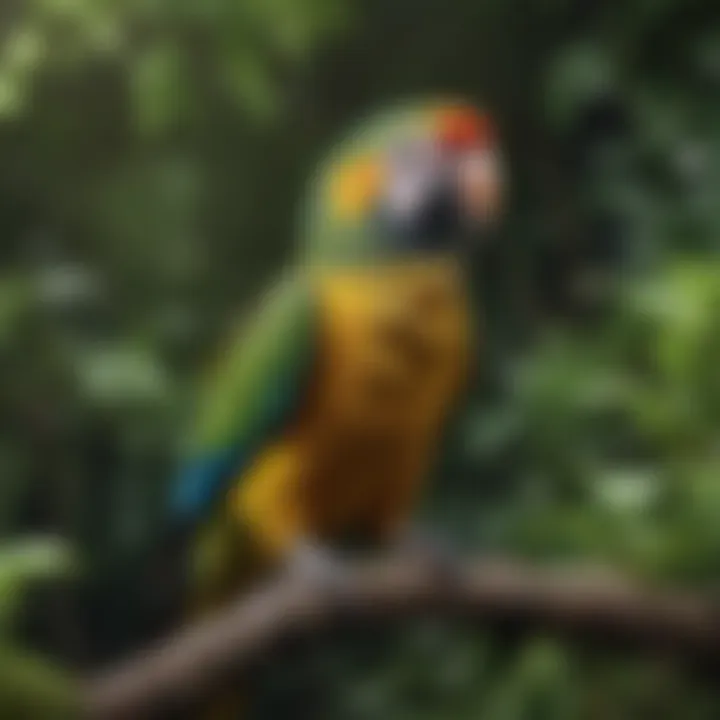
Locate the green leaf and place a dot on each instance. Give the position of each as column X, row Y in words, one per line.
column 25, row 561
column 157, row 88
column 582, row 71
column 250, row 82
column 34, row 688
column 121, row 375
column 16, row 297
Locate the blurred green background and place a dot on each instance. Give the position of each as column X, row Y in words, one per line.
column 152, row 156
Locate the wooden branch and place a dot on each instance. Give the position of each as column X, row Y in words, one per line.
column 187, row 666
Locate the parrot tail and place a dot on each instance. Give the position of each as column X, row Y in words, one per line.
column 227, row 565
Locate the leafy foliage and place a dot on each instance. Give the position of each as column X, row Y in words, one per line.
column 30, row 687
column 153, row 153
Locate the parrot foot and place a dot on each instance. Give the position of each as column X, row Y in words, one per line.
column 318, row 565
column 433, row 552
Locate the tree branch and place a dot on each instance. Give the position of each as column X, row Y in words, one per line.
column 190, row 664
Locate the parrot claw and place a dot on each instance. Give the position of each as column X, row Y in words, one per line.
column 315, row 564
column 434, row 553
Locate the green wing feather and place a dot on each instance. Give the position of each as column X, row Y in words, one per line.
column 251, row 397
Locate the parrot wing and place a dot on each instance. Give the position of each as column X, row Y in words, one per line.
column 252, row 396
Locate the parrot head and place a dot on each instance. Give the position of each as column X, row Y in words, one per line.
column 421, row 178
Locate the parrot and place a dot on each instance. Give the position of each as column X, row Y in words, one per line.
column 326, row 410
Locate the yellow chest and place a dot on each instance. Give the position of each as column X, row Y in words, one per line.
column 393, row 353
column 394, row 345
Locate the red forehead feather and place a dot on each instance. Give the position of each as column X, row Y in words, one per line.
column 462, row 127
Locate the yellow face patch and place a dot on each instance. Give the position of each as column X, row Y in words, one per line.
column 354, row 186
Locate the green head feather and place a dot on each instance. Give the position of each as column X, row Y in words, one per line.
column 338, row 221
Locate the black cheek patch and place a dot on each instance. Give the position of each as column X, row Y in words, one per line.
column 438, row 220
column 428, row 228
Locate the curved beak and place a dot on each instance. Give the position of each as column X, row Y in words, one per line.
column 480, row 187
